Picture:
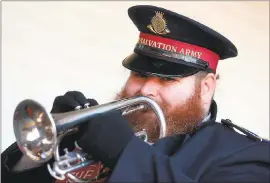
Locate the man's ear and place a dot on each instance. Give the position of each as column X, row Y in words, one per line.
column 217, row 76
column 208, row 86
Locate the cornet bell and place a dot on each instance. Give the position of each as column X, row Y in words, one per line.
column 39, row 133
column 34, row 130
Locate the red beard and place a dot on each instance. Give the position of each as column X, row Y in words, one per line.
column 179, row 120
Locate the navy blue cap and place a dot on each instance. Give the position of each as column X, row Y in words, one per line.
column 171, row 44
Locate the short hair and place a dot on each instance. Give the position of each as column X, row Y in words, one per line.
column 202, row 74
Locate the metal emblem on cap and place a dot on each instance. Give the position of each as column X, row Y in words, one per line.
column 158, row 24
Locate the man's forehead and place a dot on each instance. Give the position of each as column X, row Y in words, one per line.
column 157, row 75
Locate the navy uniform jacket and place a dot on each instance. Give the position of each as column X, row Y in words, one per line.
column 214, row 153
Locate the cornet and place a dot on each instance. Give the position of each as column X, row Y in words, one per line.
column 39, row 133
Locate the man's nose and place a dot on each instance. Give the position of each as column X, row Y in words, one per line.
column 150, row 87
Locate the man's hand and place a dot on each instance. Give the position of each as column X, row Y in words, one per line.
column 70, row 101
column 104, row 137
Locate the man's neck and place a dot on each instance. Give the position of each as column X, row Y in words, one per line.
column 207, row 117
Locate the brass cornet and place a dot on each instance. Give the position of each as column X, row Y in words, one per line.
column 39, row 133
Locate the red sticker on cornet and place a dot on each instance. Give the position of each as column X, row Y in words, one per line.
column 88, row 172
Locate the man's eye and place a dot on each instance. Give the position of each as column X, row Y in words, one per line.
column 140, row 75
column 167, row 79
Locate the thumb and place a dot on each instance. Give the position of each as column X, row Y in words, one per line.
column 92, row 102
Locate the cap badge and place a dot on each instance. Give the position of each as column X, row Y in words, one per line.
column 158, row 24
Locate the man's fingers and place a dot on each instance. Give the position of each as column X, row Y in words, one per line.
column 79, row 97
column 64, row 104
column 92, row 102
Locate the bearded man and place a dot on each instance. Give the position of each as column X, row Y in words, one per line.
column 174, row 63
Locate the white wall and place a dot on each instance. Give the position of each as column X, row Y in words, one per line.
column 51, row 47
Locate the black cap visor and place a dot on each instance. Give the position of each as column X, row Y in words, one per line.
column 153, row 66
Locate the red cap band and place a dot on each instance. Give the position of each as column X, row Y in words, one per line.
column 180, row 47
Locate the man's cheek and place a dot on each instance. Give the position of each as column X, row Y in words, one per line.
column 132, row 91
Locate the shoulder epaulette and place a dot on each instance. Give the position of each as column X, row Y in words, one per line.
column 251, row 135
